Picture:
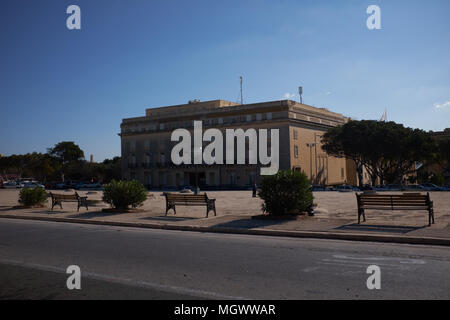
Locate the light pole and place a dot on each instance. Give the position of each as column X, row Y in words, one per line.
column 310, row 145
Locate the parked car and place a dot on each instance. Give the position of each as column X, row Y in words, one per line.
column 394, row 187
column 10, row 185
column 50, row 185
column 346, row 188
column 169, row 188
column 413, row 187
column 33, row 184
column 88, row 185
column 431, row 187
column 320, row 188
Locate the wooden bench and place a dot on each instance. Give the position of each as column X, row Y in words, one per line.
column 405, row 201
column 60, row 198
column 174, row 199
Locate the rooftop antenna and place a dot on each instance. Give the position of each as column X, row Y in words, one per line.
column 300, row 92
column 242, row 100
column 384, row 116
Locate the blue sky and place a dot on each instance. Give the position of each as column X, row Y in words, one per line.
column 58, row 84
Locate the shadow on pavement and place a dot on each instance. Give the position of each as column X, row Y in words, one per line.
column 379, row 228
column 94, row 214
column 248, row 223
column 7, row 208
column 169, row 218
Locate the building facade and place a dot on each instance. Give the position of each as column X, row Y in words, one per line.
column 146, row 143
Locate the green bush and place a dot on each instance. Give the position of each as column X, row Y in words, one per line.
column 286, row 192
column 32, row 196
column 121, row 194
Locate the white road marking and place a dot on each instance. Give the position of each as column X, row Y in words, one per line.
column 372, row 259
column 127, row 281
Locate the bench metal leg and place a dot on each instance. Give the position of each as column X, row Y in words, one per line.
column 82, row 203
column 55, row 202
column 170, row 206
column 361, row 213
column 210, row 206
column 430, row 217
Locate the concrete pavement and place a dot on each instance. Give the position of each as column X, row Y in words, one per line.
column 335, row 218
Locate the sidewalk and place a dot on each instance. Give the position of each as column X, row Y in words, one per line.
column 236, row 208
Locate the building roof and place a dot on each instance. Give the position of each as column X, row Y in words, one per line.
column 224, row 108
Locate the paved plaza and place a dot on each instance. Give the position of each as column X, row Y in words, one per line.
column 335, row 211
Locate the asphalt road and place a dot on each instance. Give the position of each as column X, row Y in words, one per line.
column 122, row 263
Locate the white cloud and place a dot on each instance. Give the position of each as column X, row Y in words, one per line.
column 288, row 95
column 442, row 105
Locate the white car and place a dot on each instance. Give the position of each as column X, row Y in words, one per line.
column 10, row 185
column 32, row 185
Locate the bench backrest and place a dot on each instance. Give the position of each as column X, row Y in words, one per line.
column 64, row 196
column 394, row 200
column 187, row 198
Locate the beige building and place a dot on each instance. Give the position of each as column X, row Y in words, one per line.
column 146, row 143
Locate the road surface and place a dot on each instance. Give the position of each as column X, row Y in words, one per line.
column 133, row 263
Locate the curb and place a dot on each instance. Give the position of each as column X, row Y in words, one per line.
column 260, row 232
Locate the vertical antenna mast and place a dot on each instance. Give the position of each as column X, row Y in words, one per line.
column 300, row 92
column 242, row 100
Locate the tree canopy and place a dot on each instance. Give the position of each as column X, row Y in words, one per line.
column 65, row 157
column 387, row 150
column 66, row 152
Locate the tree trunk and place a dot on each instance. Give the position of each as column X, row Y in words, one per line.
column 359, row 171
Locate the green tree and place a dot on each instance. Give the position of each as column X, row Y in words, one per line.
column 68, row 154
column 348, row 141
column 387, row 150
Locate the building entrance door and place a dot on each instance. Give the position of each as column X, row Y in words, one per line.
column 201, row 179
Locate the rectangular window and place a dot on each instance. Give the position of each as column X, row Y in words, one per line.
column 295, row 135
column 296, row 151
column 269, row 116
column 161, row 126
column 249, row 117
column 342, row 173
column 258, row 116
column 220, row 120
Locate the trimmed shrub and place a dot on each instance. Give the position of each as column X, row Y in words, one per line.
column 287, row 192
column 122, row 194
column 32, row 196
